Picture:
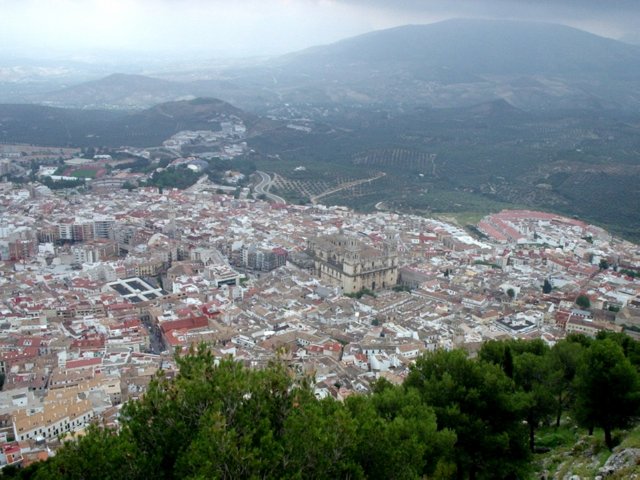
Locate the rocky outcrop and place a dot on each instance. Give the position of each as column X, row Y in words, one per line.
column 626, row 461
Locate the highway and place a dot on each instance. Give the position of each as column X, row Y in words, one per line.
column 262, row 188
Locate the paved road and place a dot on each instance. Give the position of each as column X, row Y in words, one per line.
column 263, row 187
column 345, row 186
column 156, row 342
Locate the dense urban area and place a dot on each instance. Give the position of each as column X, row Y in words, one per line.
column 319, row 240
column 105, row 284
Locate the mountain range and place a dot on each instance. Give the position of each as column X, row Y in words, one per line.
column 453, row 63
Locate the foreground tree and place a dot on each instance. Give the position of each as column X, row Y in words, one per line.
column 475, row 400
column 398, row 436
column 220, row 420
column 532, row 374
column 565, row 357
column 630, row 347
column 608, row 389
column 453, row 418
column 499, row 353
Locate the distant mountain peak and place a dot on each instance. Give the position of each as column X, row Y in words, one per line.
column 127, row 79
column 123, row 76
column 198, row 107
column 118, row 90
column 482, row 47
column 463, row 62
column 499, row 106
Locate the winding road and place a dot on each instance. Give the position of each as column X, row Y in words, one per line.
column 263, row 187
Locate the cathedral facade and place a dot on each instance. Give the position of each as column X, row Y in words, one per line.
column 349, row 263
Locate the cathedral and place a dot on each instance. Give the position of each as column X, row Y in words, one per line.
column 349, row 263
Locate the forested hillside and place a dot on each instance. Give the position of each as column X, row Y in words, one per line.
column 453, row 417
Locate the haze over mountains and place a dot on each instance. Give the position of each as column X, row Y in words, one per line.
column 20, row 123
column 117, row 90
column 463, row 116
column 448, row 64
column 464, row 57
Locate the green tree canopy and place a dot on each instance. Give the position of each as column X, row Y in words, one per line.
column 398, row 436
column 583, row 301
column 608, row 389
column 454, row 417
column 218, row 419
column 475, row 400
column 532, row 374
column 565, row 357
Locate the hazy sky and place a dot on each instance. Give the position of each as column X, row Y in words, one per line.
column 257, row 27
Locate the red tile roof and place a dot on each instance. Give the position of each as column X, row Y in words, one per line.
column 185, row 323
column 83, row 363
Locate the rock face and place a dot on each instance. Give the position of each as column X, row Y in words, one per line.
column 622, row 460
